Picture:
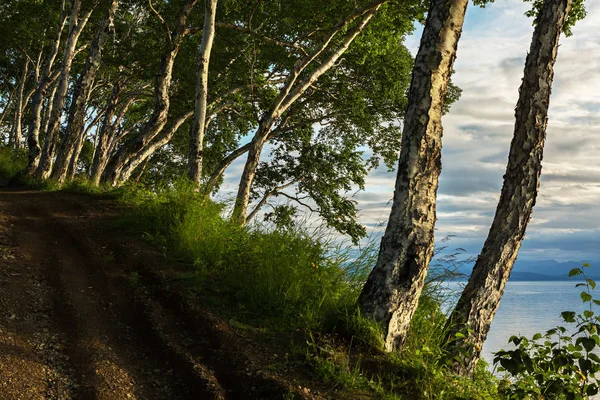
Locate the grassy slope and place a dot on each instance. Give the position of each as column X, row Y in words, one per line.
column 282, row 281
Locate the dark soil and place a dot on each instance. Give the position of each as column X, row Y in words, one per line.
column 90, row 312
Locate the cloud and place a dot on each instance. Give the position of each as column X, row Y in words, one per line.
column 478, row 130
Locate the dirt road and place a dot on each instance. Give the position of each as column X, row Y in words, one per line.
column 75, row 323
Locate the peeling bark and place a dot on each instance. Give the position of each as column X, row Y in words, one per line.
column 481, row 297
column 200, row 101
column 83, row 87
column 392, row 291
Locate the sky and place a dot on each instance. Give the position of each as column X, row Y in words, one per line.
column 565, row 225
column 477, row 132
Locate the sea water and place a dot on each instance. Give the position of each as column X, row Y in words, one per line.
column 527, row 308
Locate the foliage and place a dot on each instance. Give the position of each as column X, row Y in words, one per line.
column 560, row 364
column 12, row 162
column 578, row 12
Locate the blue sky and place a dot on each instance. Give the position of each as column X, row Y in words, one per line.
column 478, row 130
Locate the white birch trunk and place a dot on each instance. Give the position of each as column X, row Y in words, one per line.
column 76, row 26
column 480, row 299
column 18, row 135
column 158, row 120
column 200, row 101
column 392, row 291
column 33, row 136
column 75, row 125
column 289, row 93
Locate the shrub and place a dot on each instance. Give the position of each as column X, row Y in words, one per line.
column 12, row 163
column 560, row 364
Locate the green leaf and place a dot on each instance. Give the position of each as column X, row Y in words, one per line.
column 587, row 343
column 592, row 389
column 510, row 365
column 591, row 282
column 568, row 316
column 585, row 297
column 575, row 271
column 588, row 314
column 594, row 357
column 537, row 336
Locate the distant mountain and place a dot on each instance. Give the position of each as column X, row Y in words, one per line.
column 545, row 270
column 552, row 267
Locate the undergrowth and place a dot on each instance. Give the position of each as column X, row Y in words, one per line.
column 12, row 162
column 291, row 279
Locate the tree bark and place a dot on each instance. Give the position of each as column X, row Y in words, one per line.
column 101, row 153
column 76, row 119
column 290, row 92
column 18, row 135
column 146, row 152
column 480, row 299
column 33, row 136
column 112, row 172
column 391, row 293
column 78, row 146
column 200, row 101
column 76, row 26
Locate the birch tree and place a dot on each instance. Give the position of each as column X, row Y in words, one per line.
column 44, row 83
column 470, row 321
column 294, row 87
column 113, row 173
column 201, row 98
column 77, row 22
column 83, row 86
column 391, row 293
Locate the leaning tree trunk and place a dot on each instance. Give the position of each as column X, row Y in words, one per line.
column 479, row 301
column 76, row 120
column 292, row 90
column 392, row 291
column 18, row 136
column 162, row 102
column 200, row 103
column 147, row 151
column 76, row 25
column 33, row 136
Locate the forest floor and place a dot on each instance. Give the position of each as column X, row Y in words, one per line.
column 87, row 312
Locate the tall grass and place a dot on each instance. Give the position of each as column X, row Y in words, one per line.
column 283, row 277
column 292, row 279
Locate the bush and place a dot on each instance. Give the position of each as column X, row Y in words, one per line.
column 12, row 163
column 560, row 364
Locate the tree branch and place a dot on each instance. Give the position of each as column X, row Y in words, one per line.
column 273, row 192
column 162, row 21
column 262, row 37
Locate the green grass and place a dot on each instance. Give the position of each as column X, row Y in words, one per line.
column 293, row 280
column 12, row 162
